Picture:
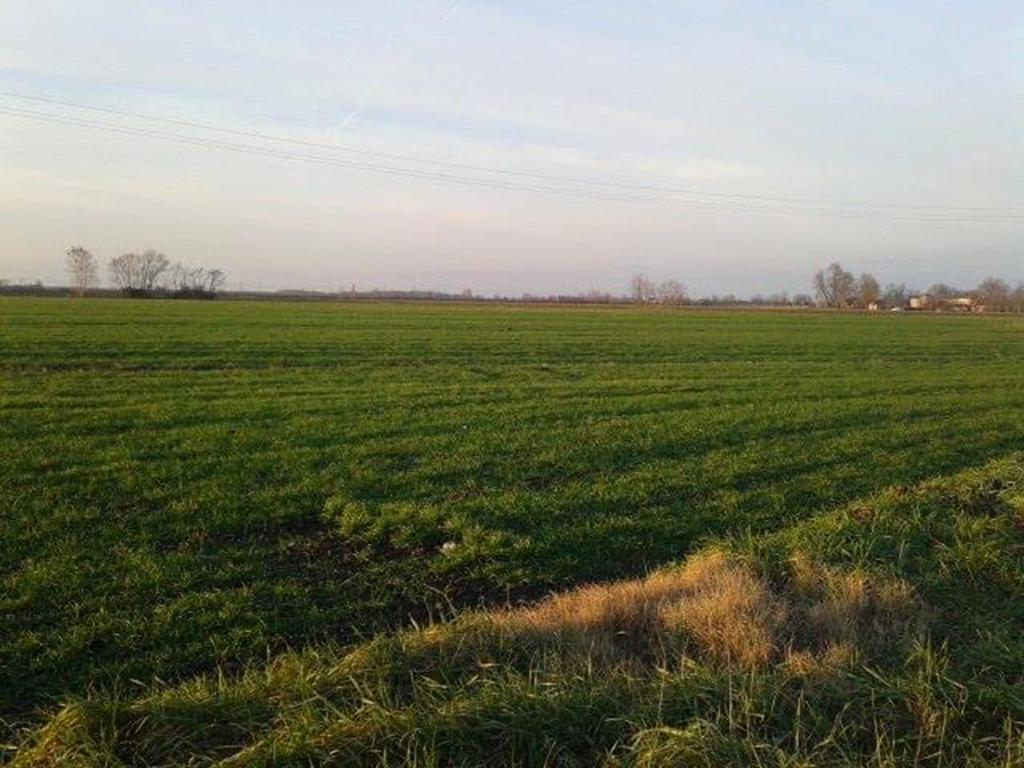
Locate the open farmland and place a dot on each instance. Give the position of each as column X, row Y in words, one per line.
column 191, row 486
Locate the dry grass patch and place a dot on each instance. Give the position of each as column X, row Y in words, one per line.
column 730, row 615
column 850, row 608
column 718, row 609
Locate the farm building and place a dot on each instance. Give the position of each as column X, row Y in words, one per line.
column 964, row 304
column 949, row 303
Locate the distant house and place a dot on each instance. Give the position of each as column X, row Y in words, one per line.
column 946, row 304
column 965, row 304
column 874, row 306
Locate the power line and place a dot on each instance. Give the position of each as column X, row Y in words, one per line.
column 609, row 192
column 450, row 178
column 505, row 171
column 287, row 155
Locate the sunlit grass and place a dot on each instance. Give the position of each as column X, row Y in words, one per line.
column 190, row 486
column 862, row 636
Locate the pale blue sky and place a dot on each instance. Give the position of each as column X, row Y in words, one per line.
column 916, row 108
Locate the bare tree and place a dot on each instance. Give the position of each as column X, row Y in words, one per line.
column 868, row 290
column 138, row 274
column 895, row 295
column 121, row 272
column 642, row 289
column 843, row 285
column 822, row 289
column 178, row 278
column 672, row 292
column 803, row 300
column 834, row 286
column 1017, row 299
column 215, row 279
column 83, row 270
column 994, row 293
column 153, row 265
column 194, row 282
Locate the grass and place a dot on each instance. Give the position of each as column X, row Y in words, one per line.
column 192, row 487
column 760, row 651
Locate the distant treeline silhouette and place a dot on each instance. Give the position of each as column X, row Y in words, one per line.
column 152, row 274
column 141, row 275
column 836, row 288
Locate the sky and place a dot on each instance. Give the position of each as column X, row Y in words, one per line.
column 549, row 147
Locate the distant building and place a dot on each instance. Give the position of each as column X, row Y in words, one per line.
column 946, row 304
column 874, row 306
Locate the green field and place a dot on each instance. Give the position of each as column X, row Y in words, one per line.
column 189, row 488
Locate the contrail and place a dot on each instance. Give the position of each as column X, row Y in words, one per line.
column 361, row 104
column 448, row 14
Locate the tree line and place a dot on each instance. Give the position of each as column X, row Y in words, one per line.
column 149, row 273
column 836, row 288
column 643, row 290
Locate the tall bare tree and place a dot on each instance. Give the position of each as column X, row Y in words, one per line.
column 994, row 293
column 642, row 289
column 834, row 286
column 138, row 274
column 83, row 270
column 822, row 289
column 1017, row 298
column 895, row 295
column 215, row 279
column 868, row 290
column 672, row 292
